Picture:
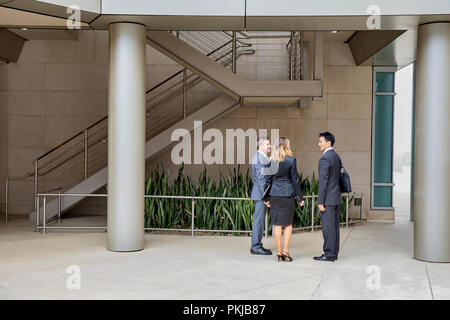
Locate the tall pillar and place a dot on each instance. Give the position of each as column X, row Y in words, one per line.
column 432, row 150
column 126, row 137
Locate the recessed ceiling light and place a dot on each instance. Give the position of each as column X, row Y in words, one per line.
column 24, row 29
column 334, row 31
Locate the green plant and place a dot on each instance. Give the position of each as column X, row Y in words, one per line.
column 215, row 214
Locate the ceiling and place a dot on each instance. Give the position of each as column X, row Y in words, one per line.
column 47, row 19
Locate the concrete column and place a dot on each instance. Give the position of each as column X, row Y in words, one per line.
column 126, row 137
column 432, row 150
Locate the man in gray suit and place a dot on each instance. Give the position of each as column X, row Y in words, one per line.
column 329, row 200
column 259, row 162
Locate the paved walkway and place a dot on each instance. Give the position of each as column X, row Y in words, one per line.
column 34, row 266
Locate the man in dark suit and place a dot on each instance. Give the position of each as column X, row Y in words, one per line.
column 329, row 200
column 259, row 162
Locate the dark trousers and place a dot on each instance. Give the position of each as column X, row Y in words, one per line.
column 258, row 224
column 330, row 230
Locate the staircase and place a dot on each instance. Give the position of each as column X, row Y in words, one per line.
column 248, row 92
column 79, row 165
column 158, row 143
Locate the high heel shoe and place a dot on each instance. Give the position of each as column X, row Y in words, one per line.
column 287, row 257
column 280, row 257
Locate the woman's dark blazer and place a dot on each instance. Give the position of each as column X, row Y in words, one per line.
column 286, row 182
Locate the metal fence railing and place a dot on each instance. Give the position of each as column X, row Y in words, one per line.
column 193, row 199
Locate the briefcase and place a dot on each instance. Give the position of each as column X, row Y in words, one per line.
column 344, row 181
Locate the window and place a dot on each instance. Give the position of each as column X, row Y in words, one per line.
column 382, row 138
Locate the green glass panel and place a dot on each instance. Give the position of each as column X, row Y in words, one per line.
column 385, row 81
column 382, row 197
column 383, row 139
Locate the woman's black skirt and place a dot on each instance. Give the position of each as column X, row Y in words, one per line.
column 282, row 210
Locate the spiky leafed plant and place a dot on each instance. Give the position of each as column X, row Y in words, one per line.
column 213, row 214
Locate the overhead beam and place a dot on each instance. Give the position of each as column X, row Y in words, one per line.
column 365, row 44
column 284, row 91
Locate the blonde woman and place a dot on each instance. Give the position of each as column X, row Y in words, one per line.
column 285, row 190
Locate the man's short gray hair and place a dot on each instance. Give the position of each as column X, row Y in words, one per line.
column 261, row 141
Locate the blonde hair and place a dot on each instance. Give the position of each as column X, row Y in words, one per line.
column 281, row 150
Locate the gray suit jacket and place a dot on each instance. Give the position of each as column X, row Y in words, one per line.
column 329, row 173
column 259, row 161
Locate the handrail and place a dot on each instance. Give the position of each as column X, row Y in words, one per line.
column 193, row 199
column 73, row 137
column 17, row 178
column 247, row 51
column 30, row 173
column 229, row 35
column 181, row 71
column 102, row 119
column 60, row 155
column 246, row 36
column 296, row 59
column 193, row 82
column 46, row 194
column 51, row 190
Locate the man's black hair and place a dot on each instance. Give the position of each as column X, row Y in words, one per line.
column 328, row 136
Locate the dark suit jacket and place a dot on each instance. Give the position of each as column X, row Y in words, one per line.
column 329, row 173
column 286, row 182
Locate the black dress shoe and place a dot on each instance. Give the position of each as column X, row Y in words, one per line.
column 267, row 250
column 261, row 251
column 324, row 258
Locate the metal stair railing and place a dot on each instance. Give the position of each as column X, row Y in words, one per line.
column 89, row 145
column 296, row 57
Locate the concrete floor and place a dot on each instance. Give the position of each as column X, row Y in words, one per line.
column 34, row 266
